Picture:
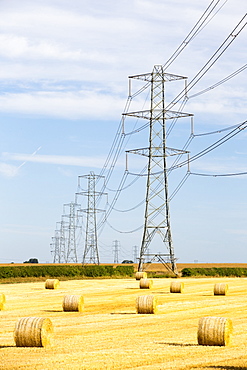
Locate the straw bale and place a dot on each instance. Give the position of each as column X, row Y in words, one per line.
column 73, row 303
column 33, row 332
column 176, row 287
column 2, row 301
column 214, row 331
column 52, row 284
column 220, row 289
column 146, row 304
column 146, row 284
column 141, row 275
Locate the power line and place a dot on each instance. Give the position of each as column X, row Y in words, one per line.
column 219, row 175
column 200, row 24
column 235, row 73
column 192, row 83
column 218, row 53
column 124, row 232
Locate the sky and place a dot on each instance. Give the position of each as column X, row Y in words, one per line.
column 64, row 68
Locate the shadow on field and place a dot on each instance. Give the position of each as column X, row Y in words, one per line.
column 123, row 313
column 178, row 344
column 226, row 367
column 7, row 346
column 52, row 310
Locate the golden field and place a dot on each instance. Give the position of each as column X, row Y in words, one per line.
column 109, row 334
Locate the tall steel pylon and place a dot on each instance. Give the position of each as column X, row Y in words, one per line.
column 70, row 254
column 157, row 211
column 56, row 247
column 116, row 249
column 91, row 253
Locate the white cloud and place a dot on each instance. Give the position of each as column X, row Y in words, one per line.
column 8, row 170
column 20, row 47
column 97, row 162
column 71, row 105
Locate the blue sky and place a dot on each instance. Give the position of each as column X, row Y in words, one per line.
column 64, row 70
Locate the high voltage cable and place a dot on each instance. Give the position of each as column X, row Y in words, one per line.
column 192, row 83
column 124, row 232
column 174, row 163
column 213, row 146
column 220, row 82
column 219, row 175
column 223, row 47
column 130, row 184
column 217, row 131
column 197, row 27
column 194, row 31
column 184, row 179
column 113, row 202
column 130, row 209
column 214, row 58
column 200, row 24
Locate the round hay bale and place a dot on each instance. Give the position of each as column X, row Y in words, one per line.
column 73, row 303
column 146, row 304
column 220, row 289
column 52, row 284
column 214, row 331
column 176, row 287
column 2, row 301
column 141, row 275
column 33, row 332
column 146, row 284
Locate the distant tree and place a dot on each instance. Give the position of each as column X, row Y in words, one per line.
column 32, row 260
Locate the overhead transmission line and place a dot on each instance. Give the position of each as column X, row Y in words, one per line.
column 198, row 27
column 234, row 132
column 182, row 94
column 235, row 73
column 223, row 47
column 200, row 24
column 219, row 175
column 191, row 35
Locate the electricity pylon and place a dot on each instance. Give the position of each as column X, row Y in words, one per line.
column 157, row 212
column 56, row 247
column 116, row 249
column 71, row 251
column 135, row 253
column 91, row 253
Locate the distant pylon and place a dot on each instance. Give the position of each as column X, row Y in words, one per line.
column 63, row 253
column 56, row 247
column 135, row 253
column 116, row 249
column 91, row 253
column 157, row 213
column 71, row 250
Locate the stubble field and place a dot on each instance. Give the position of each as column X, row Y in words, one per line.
column 110, row 335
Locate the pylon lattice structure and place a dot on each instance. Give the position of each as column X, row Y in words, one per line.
column 157, row 212
column 116, row 249
column 55, row 245
column 70, row 253
column 58, row 245
column 135, row 253
column 91, row 253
